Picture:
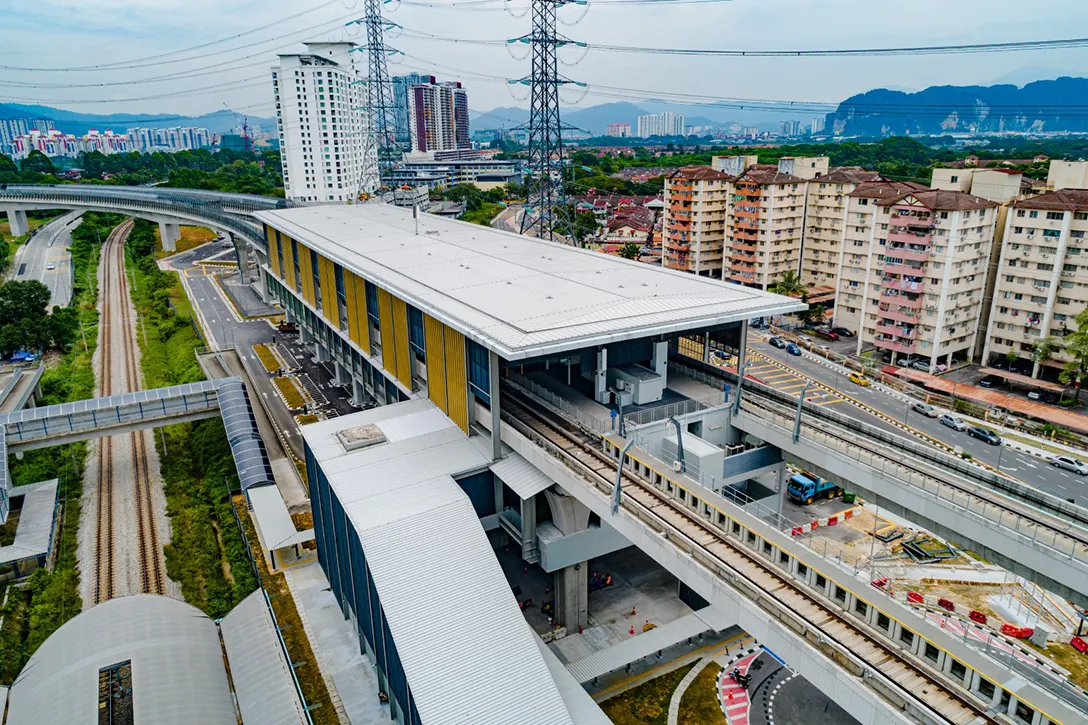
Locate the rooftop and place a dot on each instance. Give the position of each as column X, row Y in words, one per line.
column 849, row 175
column 886, row 189
column 700, row 173
column 768, row 174
column 1061, row 200
column 36, row 518
column 466, row 649
column 517, row 295
column 942, row 200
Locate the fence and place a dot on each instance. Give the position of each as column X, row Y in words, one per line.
column 586, row 419
column 664, row 412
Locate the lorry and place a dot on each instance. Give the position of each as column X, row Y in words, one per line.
column 806, row 488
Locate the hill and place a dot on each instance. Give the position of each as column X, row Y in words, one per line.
column 1053, row 106
column 79, row 123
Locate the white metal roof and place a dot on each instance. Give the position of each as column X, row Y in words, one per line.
column 274, row 520
column 523, row 478
column 35, row 521
column 463, row 642
column 517, row 295
column 260, row 673
column 582, row 708
column 178, row 675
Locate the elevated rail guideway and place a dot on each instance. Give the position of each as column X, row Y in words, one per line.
column 870, row 652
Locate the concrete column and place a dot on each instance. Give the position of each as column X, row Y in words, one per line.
column 706, row 346
column 170, row 234
column 343, row 375
column 742, row 350
column 660, row 360
column 321, row 352
column 305, row 336
column 17, row 222
column 571, row 583
column 358, row 392
column 262, row 285
column 600, row 377
column 528, row 527
column 780, row 483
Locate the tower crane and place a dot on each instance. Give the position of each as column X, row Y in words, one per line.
column 246, row 139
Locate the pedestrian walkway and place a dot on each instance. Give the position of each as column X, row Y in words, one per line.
column 678, row 693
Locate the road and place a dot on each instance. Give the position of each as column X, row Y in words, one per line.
column 49, row 245
column 1032, row 471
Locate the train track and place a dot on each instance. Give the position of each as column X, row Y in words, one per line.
column 115, row 309
column 649, row 504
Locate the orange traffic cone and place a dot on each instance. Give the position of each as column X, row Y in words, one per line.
column 633, row 612
column 632, row 630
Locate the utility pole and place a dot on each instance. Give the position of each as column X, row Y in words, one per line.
column 546, row 214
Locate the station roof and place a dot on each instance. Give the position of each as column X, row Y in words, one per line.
column 35, row 529
column 273, row 519
column 259, row 670
column 177, row 666
column 466, row 650
column 519, row 296
column 525, row 479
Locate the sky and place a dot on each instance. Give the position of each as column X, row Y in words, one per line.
column 196, row 56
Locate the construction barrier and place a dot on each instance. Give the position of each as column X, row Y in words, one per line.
column 946, row 604
column 1019, row 632
column 915, row 597
column 1079, row 645
column 977, row 616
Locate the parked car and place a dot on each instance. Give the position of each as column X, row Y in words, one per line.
column 925, row 409
column 990, row 381
column 1035, row 395
column 842, row 332
column 953, row 422
column 827, row 334
column 921, row 365
column 806, row 341
column 941, row 367
column 778, row 342
column 1051, row 397
column 1070, row 464
column 984, row 434
column 793, row 349
column 905, row 362
column 859, row 379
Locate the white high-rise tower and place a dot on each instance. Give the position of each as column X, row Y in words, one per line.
column 326, row 147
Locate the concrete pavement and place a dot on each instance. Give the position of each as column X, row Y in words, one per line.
column 48, row 245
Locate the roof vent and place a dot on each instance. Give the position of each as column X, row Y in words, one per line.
column 362, row 436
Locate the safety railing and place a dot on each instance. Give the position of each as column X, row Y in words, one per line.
column 587, row 420
column 664, row 412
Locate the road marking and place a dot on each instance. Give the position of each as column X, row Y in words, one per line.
column 830, row 402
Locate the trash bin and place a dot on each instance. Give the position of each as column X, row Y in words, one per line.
column 849, row 496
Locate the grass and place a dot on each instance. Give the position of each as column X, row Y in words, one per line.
column 14, row 633
column 1065, row 655
column 7, row 530
column 206, row 554
column 700, row 705
column 289, row 389
column 306, row 419
column 264, row 353
column 483, row 215
column 647, row 704
column 312, row 683
column 190, row 237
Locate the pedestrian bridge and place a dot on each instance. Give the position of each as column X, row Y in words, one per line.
column 100, row 417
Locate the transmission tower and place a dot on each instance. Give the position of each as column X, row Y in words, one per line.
column 380, row 102
column 546, row 208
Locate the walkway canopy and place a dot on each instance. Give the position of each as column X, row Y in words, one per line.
column 1024, row 380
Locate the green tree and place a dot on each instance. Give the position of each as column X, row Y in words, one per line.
column 23, row 300
column 38, row 162
column 630, row 251
column 1076, row 347
column 1011, row 357
column 790, row 285
column 1043, row 350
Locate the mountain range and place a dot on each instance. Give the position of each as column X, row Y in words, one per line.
column 1042, row 106
column 79, row 123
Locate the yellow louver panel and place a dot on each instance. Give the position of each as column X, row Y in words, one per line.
column 307, row 275
column 403, row 363
column 436, row 363
column 353, row 310
column 273, row 256
column 328, row 292
column 361, row 314
column 456, row 377
column 288, row 262
column 388, row 339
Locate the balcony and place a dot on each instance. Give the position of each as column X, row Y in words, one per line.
column 896, row 330
column 904, row 285
column 744, row 245
column 907, row 347
column 898, row 314
column 894, row 297
column 912, row 217
column 902, row 236
column 902, row 269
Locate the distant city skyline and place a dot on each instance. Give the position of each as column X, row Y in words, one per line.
column 62, row 33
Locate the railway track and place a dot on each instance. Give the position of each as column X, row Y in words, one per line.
column 115, row 309
column 582, row 451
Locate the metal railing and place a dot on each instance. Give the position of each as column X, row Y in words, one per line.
column 585, row 419
column 664, row 412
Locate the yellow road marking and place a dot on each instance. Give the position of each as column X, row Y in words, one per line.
column 831, row 401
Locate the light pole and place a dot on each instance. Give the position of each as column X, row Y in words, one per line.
column 797, row 420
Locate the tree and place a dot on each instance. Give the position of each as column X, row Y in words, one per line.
column 1076, row 347
column 1011, row 357
column 789, row 285
column 27, row 300
column 1043, row 350
column 630, row 251
column 38, row 162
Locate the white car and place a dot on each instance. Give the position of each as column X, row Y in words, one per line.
column 50, row 266
column 953, row 422
column 925, row 409
column 1070, row 464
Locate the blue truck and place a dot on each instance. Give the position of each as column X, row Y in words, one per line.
column 806, row 488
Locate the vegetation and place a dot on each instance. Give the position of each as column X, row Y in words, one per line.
column 206, row 554
column 700, row 705
column 790, row 285
column 630, row 251
column 25, row 322
column 190, row 237
column 482, row 215
column 13, row 633
column 306, row 419
column 264, row 353
column 1076, row 346
column 294, row 635
column 647, row 704
column 289, row 389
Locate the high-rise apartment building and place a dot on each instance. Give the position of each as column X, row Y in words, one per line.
column 169, row 139
column 765, row 225
column 438, row 114
column 12, row 127
column 825, row 222
column 696, row 204
column 324, row 132
column 661, row 124
column 914, row 270
column 401, row 84
column 1042, row 277
column 618, row 130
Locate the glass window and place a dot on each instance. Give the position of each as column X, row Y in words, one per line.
column 840, row 594
column 416, row 339
column 372, row 305
column 341, row 296
column 479, row 371
column 298, row 267
column 315, row 271
column 986, row 689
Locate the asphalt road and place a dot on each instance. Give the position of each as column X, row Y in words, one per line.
column 1033, row 471
column 49, row 245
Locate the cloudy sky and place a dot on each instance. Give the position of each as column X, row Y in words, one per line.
column 194, row 56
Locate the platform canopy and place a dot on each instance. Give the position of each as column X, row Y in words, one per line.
column 519, row 296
